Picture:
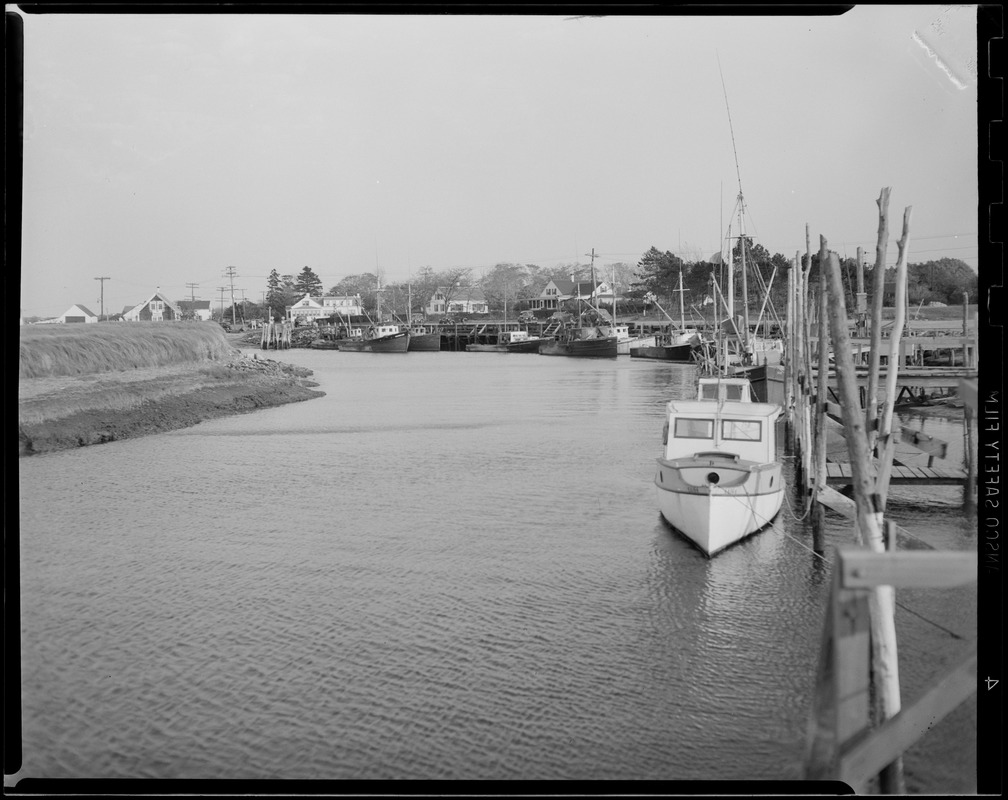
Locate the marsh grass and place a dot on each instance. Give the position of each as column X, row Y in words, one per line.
column 57, row 350
column 56, row 399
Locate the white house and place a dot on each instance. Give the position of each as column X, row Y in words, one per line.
column 156, row 308
column 77, row 313
column 309, row 308
column 560, row 289
column 466, row 300
column 200, row 309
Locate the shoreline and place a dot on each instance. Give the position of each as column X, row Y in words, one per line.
column 68, row 412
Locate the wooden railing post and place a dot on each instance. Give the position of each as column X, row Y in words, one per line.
column 841, row 745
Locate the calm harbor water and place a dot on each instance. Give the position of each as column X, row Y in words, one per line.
column 451, row 566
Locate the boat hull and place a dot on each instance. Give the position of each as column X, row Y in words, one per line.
column 527, row 346
column 424, row 342
column 395, row 343
column 602, row 347
column 624, row 345
column 716, row 501
column 485, row 348
column 665, row 352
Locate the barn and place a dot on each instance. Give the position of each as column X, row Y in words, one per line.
column 77, row 313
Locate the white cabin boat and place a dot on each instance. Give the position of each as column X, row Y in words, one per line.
column 718, row 479
column 624, row 341
column 509, row 342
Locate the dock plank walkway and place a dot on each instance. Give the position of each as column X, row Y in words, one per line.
column 840, row 474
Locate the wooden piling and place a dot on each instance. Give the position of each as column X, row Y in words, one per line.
column 788, row 365
column 869, row 523
column 895, row 360
column 874, row 354
column 819, row 439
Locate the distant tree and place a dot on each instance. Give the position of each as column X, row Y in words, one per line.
column 944, row 280
column 279, row 294
column 502, row 286
column 658, row 273
column 365, row 285
column 424, row 284
column 451, row 280
column 308, row 283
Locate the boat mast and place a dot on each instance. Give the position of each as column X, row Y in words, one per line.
column 682, row 303
column 741, row 205
column 593, row 293
column 614, row 298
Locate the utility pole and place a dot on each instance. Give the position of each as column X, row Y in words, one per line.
column 102, row 301
column 221, row 290
column 231, row 275
column 192, row 288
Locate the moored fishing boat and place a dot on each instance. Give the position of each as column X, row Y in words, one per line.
column 682, row 353
column 377, row 339
column 508, row 342
column 424, row 340
column 718, row 479
column 580, row 343
column 625, row 341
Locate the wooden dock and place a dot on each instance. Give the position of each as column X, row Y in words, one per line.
column 839, row 474
column 913, row 446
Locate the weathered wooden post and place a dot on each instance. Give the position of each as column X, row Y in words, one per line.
column 841, row 744
column 788, row 367
column 871, row 407
column 861, row 300
column 895, row 362
column 804, row 376
column 869, row 519
column 968, row 356
column 822, row 388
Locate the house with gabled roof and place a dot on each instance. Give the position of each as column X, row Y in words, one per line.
column 156, row 308
column 77, row 313
column 195, row 309
column 465, row 300
column 309, row 308
column 560, row 289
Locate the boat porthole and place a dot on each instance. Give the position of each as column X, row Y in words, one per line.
column 713, row 477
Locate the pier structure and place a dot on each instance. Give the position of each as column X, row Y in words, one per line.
column 276, row 336
column 839, row 382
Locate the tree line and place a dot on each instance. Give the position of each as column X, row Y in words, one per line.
column 655, row 276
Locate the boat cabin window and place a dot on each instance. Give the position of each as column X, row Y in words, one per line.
column 733, row 391
column 686, row 428
column 709, row 391
column 744, row 430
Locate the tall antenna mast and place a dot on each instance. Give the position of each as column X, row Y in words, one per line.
column 741, row 204
column 730, row 127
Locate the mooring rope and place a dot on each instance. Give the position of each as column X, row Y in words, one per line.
column 823, row 558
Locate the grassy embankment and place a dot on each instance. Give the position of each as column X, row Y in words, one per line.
column 87, row 384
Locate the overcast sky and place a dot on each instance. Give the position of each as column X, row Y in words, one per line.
column 159, row 150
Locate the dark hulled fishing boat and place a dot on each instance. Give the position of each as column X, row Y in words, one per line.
column 580, row 343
